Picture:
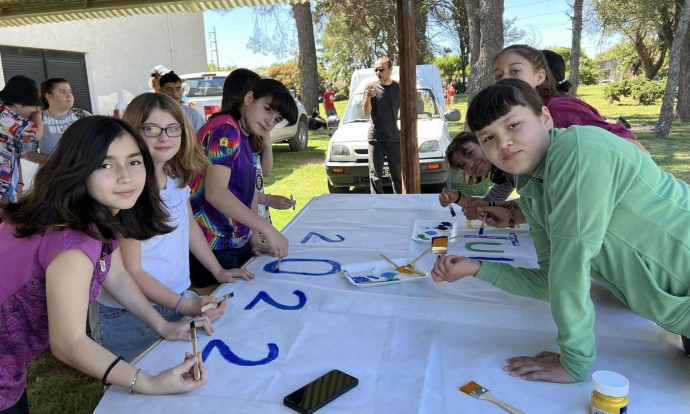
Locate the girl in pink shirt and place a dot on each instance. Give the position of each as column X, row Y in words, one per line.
column 57, row 245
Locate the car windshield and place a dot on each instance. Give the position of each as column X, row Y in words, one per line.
column 205, row 86
column 426, row 107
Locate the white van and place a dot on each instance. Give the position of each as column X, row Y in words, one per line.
column 347, row 162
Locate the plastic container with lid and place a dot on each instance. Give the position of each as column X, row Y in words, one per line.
column 610, row 395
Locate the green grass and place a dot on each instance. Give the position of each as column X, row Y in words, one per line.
column 55, row 388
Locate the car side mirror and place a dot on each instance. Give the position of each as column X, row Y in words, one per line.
column 453, row 115
column 333, row 122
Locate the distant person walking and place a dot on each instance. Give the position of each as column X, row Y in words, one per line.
column 382, row 102
column 329, row 103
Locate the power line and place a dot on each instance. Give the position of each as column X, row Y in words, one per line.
column 540, row 15
column 528, row 4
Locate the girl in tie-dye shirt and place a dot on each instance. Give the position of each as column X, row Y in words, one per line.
column 224, row 196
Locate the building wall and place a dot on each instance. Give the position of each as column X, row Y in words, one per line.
column 120, row 52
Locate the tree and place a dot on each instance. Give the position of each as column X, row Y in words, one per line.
column 281, row 43
column 486, row 40
column 274, row 32
column 450, row 66
column 576, row 44
column 451, row 17
column 357, row 32
column 286, row 73
column 663, row 127
column 647, row 24
column 683, row 105
column 308, row 69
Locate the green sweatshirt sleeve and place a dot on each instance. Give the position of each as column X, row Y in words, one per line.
column 532, row 283
column 583, row 178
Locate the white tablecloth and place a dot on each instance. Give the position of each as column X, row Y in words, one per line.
column 411, row 345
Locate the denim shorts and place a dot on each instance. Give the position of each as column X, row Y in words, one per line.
column 122, row 333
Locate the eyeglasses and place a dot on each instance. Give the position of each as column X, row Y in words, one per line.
column 152, row 131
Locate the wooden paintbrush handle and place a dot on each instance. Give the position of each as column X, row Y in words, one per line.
column 509, row 408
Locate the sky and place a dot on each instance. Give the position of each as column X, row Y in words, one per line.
column 544, row 21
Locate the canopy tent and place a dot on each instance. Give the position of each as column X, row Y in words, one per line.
column 23, row 12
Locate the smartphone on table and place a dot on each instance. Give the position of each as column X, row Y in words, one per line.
column 320, row 392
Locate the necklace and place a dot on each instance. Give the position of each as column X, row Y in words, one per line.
column 244, row 130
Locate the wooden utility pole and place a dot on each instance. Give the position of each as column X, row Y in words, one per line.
column 408, row 98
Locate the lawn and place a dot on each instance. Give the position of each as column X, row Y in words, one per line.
column 54, row 388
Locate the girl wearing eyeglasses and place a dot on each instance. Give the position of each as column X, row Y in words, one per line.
column 160, row 265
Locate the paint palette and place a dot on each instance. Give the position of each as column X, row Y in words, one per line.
column 425, row 230
column 381, row 273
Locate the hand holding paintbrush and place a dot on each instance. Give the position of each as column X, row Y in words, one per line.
column 210, row 306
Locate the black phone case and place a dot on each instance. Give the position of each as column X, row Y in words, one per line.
column 289, row 403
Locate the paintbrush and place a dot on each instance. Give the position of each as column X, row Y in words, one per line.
column 215, row 305
column 278, row 265
column 427, row 251
column 481, row 228
column 477, row 391
column 192, row 327
column 291, row 199
column 402, row 269
column 452, row 211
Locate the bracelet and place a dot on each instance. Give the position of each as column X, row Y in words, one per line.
column 457, row 200
column 268, row 199
column 104, row 380
column 179, row 302
column 20, row 183
column 134, row 380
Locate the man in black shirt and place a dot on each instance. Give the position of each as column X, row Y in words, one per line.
column 382, row 102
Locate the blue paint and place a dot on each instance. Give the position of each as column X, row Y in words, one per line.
column 361, row 279
column 492, row 259
column 272, row 267
column 302, row 300
column 232, row 358
column 512, row 237
column 384, row 277
column 322, row 237
column 445, row 226
column 431, row 232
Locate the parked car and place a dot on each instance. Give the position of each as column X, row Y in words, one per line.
column 347, row 162
column 204, row 92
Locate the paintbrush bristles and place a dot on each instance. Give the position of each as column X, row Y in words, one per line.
column 470, row 388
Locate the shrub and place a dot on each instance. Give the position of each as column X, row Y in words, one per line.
column 644, row 91
column 647, row 92
column 614, row 90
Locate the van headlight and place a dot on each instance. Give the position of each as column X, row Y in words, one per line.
column 341, row 150
column 430, row 146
